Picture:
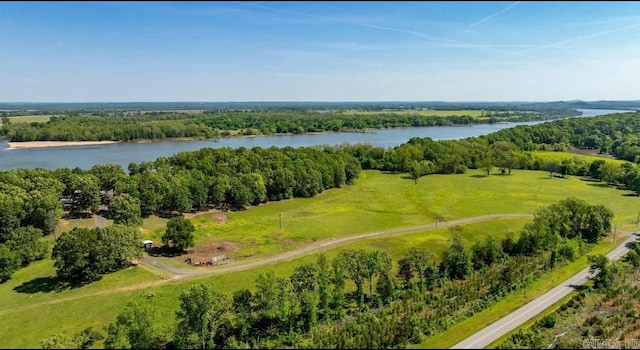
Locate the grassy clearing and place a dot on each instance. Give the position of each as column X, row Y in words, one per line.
column 379, row 201
column 29, row 119
column 560, row 156
column 438, row 113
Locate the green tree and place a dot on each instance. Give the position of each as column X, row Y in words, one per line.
column 421, row 168
column 486, row 164
column 304, row 279
column 72, row 253
column 11, row 209
column 108, row 175
column 82, row 340
column 115, row 247
column 610, row 172
column 375, row 262
column 309, row 309
column 606, row 270
column 202, row 312
column 422, row 262
column 136, row 327
column 9, row 263
column 86, row 190
column 243, row 310
column 324, row 283
column 456, row 261
column 485, row 253
column 179, row 233
column 59, row 341
column 27, row 243
column 353, row 263
column 177, row 197
column 125, row 209
column 84, row 255
column 338, row 296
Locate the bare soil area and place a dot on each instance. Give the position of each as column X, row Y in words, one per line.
column 206, row 252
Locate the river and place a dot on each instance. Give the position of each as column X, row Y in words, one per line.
column 125, row 153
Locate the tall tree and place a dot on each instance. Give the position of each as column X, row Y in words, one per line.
column 338, row 297
column 28, row 244
column 354, row 267
column 9, row 263
column 108, row 175
column 421, row 262
column 125, row 209
column 456, row 261
column 86, row 190
column 324, row 283
column 202, row 311
column 73, row 254
column 179, row 233
column 137, row 327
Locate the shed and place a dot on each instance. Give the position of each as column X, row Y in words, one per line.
column 146, row 244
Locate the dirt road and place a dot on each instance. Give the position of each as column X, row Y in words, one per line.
column 322, row 245
column 179, row 273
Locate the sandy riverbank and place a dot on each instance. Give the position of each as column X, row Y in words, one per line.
column 41, row 144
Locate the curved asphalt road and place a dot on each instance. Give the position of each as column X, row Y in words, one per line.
column 326, row 244
column 508, row 323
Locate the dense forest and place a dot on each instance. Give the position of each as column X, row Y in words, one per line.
column 212, row 124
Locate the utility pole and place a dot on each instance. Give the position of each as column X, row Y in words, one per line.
column 615, row 227
column 280, row 222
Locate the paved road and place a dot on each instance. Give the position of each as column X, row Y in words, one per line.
column 322, row 245
column 508, row 323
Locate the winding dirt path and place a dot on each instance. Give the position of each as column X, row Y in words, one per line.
column 323, row 245
column 179, row 273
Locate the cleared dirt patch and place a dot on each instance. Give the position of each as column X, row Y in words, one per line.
column 206, row 252
column 219, row 218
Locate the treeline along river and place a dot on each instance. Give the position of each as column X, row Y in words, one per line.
column 122, row 154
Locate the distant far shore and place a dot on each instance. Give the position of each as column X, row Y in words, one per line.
column 42, row 144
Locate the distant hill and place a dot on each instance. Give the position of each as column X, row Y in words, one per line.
column 155, row 106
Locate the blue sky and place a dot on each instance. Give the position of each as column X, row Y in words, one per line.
column 319, row 51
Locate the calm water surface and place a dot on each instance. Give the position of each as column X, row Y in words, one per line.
column 125, row 153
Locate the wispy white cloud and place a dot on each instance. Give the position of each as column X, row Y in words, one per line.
column 493, row 15
column 430, row 39
column 564, row 42
column 605, row 21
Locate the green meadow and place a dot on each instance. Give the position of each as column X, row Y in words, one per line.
column 32, row 309
column 380, row 201
column 437, row 113
column 560, row 156
column 29, row 119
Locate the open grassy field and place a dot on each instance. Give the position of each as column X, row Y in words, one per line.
column 31, row 310
column 560, row 156
column 443, row 113
column 379, row 201
column 29, row 118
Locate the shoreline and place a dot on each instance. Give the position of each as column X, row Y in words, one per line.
column 47, row 144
